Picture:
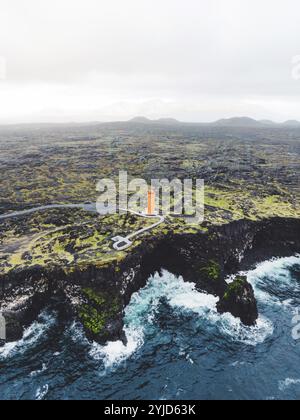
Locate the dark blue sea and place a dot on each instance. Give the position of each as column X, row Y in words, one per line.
column 179, row 348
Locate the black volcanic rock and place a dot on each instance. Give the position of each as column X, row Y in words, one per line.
column 98, row 295
column 14, row 329
column 239, row 300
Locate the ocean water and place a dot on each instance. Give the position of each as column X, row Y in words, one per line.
column 178, row 348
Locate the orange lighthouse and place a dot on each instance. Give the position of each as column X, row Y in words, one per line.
column 151, row 202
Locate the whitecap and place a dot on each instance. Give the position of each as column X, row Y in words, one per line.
column 189, row 359
column 42, row 392
column 38, row 372
column 182, row 296
column 31, row 335
column 76, row 332
column 277, row 272
column 238, row 332
column 177, row 292
column 287, row 383
column 115, row 352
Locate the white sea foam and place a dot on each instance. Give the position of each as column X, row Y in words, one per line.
column 205, row 306
column 187, row 298
column 42, row 392
column 31, row 335
column 113, row 353
column 76, row 333
column 287, row 383
column 251, row 336
column 38, row 372
column 141, row 313
column 275, row 268
column 277, row 272
column 182, row 297
column 178, row 294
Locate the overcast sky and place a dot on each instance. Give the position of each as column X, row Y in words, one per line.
column 195, row 60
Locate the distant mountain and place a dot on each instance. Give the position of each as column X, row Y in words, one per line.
column 168, row 121
column 267, row 122
column 141, row 120
column 238, row 122
column 163, row 121
column 250, row 122
column 292, row 123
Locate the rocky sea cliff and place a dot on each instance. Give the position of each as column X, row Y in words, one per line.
column 97, row 295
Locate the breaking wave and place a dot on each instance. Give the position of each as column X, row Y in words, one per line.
column 177, row 345
column 143, row 311
column 31, row 335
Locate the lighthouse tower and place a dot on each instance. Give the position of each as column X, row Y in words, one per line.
column 151, row 203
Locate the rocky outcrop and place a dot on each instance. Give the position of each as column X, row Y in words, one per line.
column 97, row 296
column 22, row 296
column 239, row 300
column 13, row 327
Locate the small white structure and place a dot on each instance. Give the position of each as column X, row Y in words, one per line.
column 121, row 243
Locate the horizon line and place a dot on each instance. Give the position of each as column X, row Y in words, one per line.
column 151, row 120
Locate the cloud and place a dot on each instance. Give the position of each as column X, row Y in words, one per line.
column 83, row 58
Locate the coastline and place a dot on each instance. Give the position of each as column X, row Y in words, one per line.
column 97, row 296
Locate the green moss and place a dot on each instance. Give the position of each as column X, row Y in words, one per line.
column 274, row 205
column 98, row 310
column 59, row 249
column 212, row 270
column 92, row 242
column 78, row 239
column 92, row 319
column 235, row 287
column 93, row 296
column 16, row 260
